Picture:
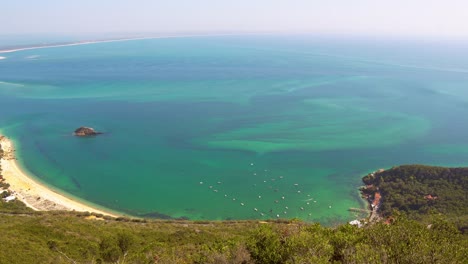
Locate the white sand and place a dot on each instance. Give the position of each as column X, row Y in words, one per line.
column 34, row 194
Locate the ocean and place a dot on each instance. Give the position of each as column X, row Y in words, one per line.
column 234, row 127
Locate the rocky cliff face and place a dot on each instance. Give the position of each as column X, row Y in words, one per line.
column 86, row 131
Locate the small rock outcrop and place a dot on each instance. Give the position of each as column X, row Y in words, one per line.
column 86, row 131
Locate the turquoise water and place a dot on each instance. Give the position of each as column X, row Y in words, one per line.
column 196, row 127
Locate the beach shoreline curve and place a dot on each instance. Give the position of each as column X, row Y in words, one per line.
column 36, row 195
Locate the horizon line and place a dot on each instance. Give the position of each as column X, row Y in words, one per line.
column 186, row 35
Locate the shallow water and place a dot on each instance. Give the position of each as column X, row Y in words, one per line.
column 296, row 117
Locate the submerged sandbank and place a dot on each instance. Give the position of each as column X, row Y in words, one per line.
column 34, row 194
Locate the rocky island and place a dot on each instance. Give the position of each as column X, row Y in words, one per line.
column 86, row 131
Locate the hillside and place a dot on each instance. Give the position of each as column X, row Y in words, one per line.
column 59, row 237
column 420, row 191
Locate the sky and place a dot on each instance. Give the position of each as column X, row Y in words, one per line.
column 444, row 18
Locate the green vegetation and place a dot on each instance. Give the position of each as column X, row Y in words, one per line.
column 420, row 191
column 58, row 237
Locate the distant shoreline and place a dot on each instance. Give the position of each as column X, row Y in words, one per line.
column 35, row 195
column 72, row 44
column 88, row 42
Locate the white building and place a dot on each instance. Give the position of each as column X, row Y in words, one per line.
column 10, row 198
column 356, row 223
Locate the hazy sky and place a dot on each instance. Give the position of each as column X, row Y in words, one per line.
column 447, row 18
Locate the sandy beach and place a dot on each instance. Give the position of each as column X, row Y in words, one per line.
column 34, row 194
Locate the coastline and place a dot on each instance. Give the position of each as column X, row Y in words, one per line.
column 35, row 195
column 110, row 40
column 76, row 44
column 372, row 197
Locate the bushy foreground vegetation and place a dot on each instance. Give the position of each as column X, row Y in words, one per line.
column 58, row 237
